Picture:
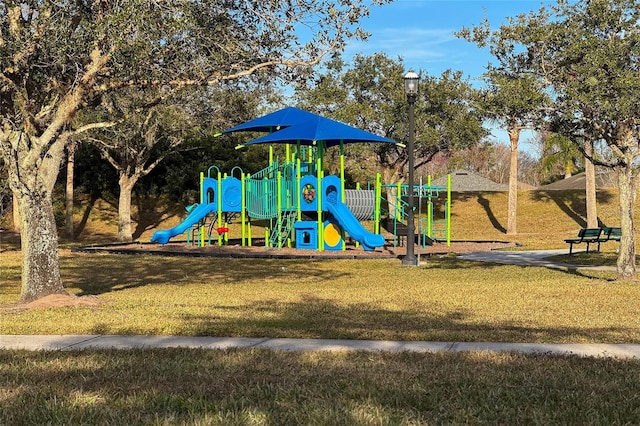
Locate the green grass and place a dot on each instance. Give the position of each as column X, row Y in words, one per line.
column 259, row 387
column 445, row 299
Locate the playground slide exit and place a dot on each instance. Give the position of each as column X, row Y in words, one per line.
column 201, row 211
column 354, row 228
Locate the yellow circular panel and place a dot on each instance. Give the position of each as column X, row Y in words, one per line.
column 332, row 235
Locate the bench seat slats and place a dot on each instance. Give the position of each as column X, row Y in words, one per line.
column 594, row 236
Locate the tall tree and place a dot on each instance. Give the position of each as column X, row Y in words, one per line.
column 513, row 97
column 587, row 52
column 58, row 57
column 144, row 138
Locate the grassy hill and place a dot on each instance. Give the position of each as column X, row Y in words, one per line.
column 545, row 218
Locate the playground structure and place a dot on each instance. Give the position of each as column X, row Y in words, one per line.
column 305, row 211
column 302, row 207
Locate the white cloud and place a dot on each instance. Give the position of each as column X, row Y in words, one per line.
column 433, row 50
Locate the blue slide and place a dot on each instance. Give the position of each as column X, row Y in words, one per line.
column 199, row 212
column 354, row 228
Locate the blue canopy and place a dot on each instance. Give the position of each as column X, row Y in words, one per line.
column 274, row 121
column 299, row 126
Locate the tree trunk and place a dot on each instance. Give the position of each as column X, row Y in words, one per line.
column 590, row 187
column 514, row 136
column 16, row 213
column 32, row 178
column 126, row 183
column 71, row 154
column 626, row 264
column 40, row 260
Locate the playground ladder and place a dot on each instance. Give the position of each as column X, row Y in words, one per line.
column 439, row 230
column 282, row 229
column 398, row 219
column 212, row 224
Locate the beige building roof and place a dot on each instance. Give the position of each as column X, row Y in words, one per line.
column 603, row 180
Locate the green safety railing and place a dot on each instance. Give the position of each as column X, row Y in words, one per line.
column 261, row 195
column 427, row 226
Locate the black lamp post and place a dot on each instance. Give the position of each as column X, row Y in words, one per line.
column 411, row 80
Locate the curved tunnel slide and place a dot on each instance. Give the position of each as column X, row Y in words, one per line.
column 198, row 213
column 354, row 228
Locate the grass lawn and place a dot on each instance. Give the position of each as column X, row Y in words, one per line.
column 251, row 387
column 444, row 299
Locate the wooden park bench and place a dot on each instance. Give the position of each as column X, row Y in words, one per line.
column 585, row 235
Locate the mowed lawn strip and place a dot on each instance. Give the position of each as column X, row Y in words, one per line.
column 445, row 299
column 241, row 387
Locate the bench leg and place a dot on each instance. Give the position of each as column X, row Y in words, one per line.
column 570, row 248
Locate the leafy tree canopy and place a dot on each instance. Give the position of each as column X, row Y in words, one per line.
column 370, row 95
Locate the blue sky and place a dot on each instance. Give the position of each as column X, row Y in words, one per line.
column 421, row 32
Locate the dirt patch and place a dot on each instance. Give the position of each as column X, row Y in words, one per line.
column 52, row 301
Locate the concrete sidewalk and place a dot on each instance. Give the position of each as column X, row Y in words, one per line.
column 529, row 258
column 78, row 342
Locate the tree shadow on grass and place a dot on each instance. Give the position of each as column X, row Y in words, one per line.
column 492, row 217
column 571, row 202
column 79, row 227
column 152, row 212
column 440, row 206
column 100, row 274
column 554, row 263
column 314, row 317
column 193, row 386
column 309, row 316
column 149, row 212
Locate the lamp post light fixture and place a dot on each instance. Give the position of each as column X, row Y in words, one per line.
column 411, row 80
